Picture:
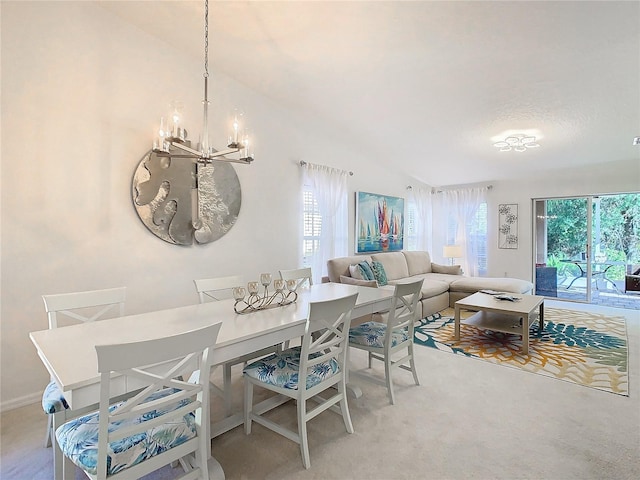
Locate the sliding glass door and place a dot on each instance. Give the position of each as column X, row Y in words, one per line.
column 562, row 248
column 584, row 247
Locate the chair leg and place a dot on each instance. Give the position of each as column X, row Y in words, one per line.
column 412, row 362
column 68, row 469
column 370, row 358
column 47, row 438
column 302, row 433
column 344, row 407
column 387, row 374
column 59, row 459
column 248, row 406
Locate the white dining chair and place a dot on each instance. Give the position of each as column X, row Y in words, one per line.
column 302, row 373
column 300, row 275
column 167, row 421
column 63, row 309
column 215, row 289
column 385, row 341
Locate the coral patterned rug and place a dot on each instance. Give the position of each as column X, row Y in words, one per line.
column 579, row 347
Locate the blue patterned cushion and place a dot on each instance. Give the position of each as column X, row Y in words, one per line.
column 78, row 438
column 281, row 369
column 367, row 273
column 379, row 273
column 53, row 400
column 372, row 334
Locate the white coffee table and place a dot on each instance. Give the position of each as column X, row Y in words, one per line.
column 502, row 315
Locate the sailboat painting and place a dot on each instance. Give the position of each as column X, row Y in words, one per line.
column 379, row 223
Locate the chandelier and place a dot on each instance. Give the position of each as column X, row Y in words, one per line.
column 171, row 133
column 518, row 142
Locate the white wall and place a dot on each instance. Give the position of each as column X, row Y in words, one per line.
column 81, row 94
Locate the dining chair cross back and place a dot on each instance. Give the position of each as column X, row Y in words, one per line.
column 384, row 341
column 300, row 275
column 302, row 373
column 213, row 290
column 165, row 422
column 86, row 306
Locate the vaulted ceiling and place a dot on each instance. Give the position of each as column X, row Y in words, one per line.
column 430, row 86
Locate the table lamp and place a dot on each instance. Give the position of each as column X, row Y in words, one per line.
column 451, row 252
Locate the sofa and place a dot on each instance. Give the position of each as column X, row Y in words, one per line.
column 443, row 285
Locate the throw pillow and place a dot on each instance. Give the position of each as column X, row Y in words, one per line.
column 367, row 273
column 355, row 281
column 355, row 272
column 450, row 269
column 379, row 273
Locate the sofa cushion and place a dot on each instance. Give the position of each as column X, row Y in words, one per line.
column 379, row 273
column 473, row 284
column 450, row 269
column 394, row 263
column 367, row 272
column 443, row 277
column 355, row 272
column 430, row 287
column 355, row 281
column 340, row 266
column 418, row 262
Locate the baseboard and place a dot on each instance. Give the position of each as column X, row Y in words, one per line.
column 20, row 402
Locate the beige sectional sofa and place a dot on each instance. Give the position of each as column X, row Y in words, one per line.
column 442, row 285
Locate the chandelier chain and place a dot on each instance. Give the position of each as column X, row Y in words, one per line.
column 206, row 38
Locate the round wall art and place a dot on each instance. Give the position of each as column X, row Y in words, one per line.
column 181, row 201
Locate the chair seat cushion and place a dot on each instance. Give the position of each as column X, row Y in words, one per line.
column 371, row 334
column 78, row 438
column 282, row 369
column 53, row 400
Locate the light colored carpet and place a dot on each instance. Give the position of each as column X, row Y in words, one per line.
column 468, row 420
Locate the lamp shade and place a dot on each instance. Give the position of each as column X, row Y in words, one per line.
column 452, row 251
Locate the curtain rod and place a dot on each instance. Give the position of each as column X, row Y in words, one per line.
column 303, row 163
column 433, row 190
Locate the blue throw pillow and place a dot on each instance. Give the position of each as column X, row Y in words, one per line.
column 379, row 273
column 367, row 273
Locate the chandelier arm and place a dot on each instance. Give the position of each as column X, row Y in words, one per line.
column 193, row 152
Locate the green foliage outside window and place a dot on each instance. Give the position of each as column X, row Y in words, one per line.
column 619, row 227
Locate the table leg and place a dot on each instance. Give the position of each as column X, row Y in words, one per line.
column 457, row 323
column 541, row 319
column 525, row 334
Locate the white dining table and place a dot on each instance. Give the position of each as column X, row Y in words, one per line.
column 69, row 352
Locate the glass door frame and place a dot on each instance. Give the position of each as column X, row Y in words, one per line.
column 588, row 240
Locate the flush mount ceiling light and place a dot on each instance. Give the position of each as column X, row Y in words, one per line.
column 172, row 133
column 518, row 142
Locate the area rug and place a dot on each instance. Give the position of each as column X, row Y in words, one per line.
column 584, row 348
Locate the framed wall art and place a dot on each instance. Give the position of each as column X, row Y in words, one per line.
column 379, row 223
column 508, row 225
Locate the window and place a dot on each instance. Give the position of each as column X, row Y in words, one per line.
column 476, row 231
column 411, row 235
column 311, row 225
column 478, row 235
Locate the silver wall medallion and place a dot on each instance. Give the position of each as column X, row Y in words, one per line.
column 179, row 200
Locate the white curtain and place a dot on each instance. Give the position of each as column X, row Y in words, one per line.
column 461, row 206
column 329, row 186
column 421, row 199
